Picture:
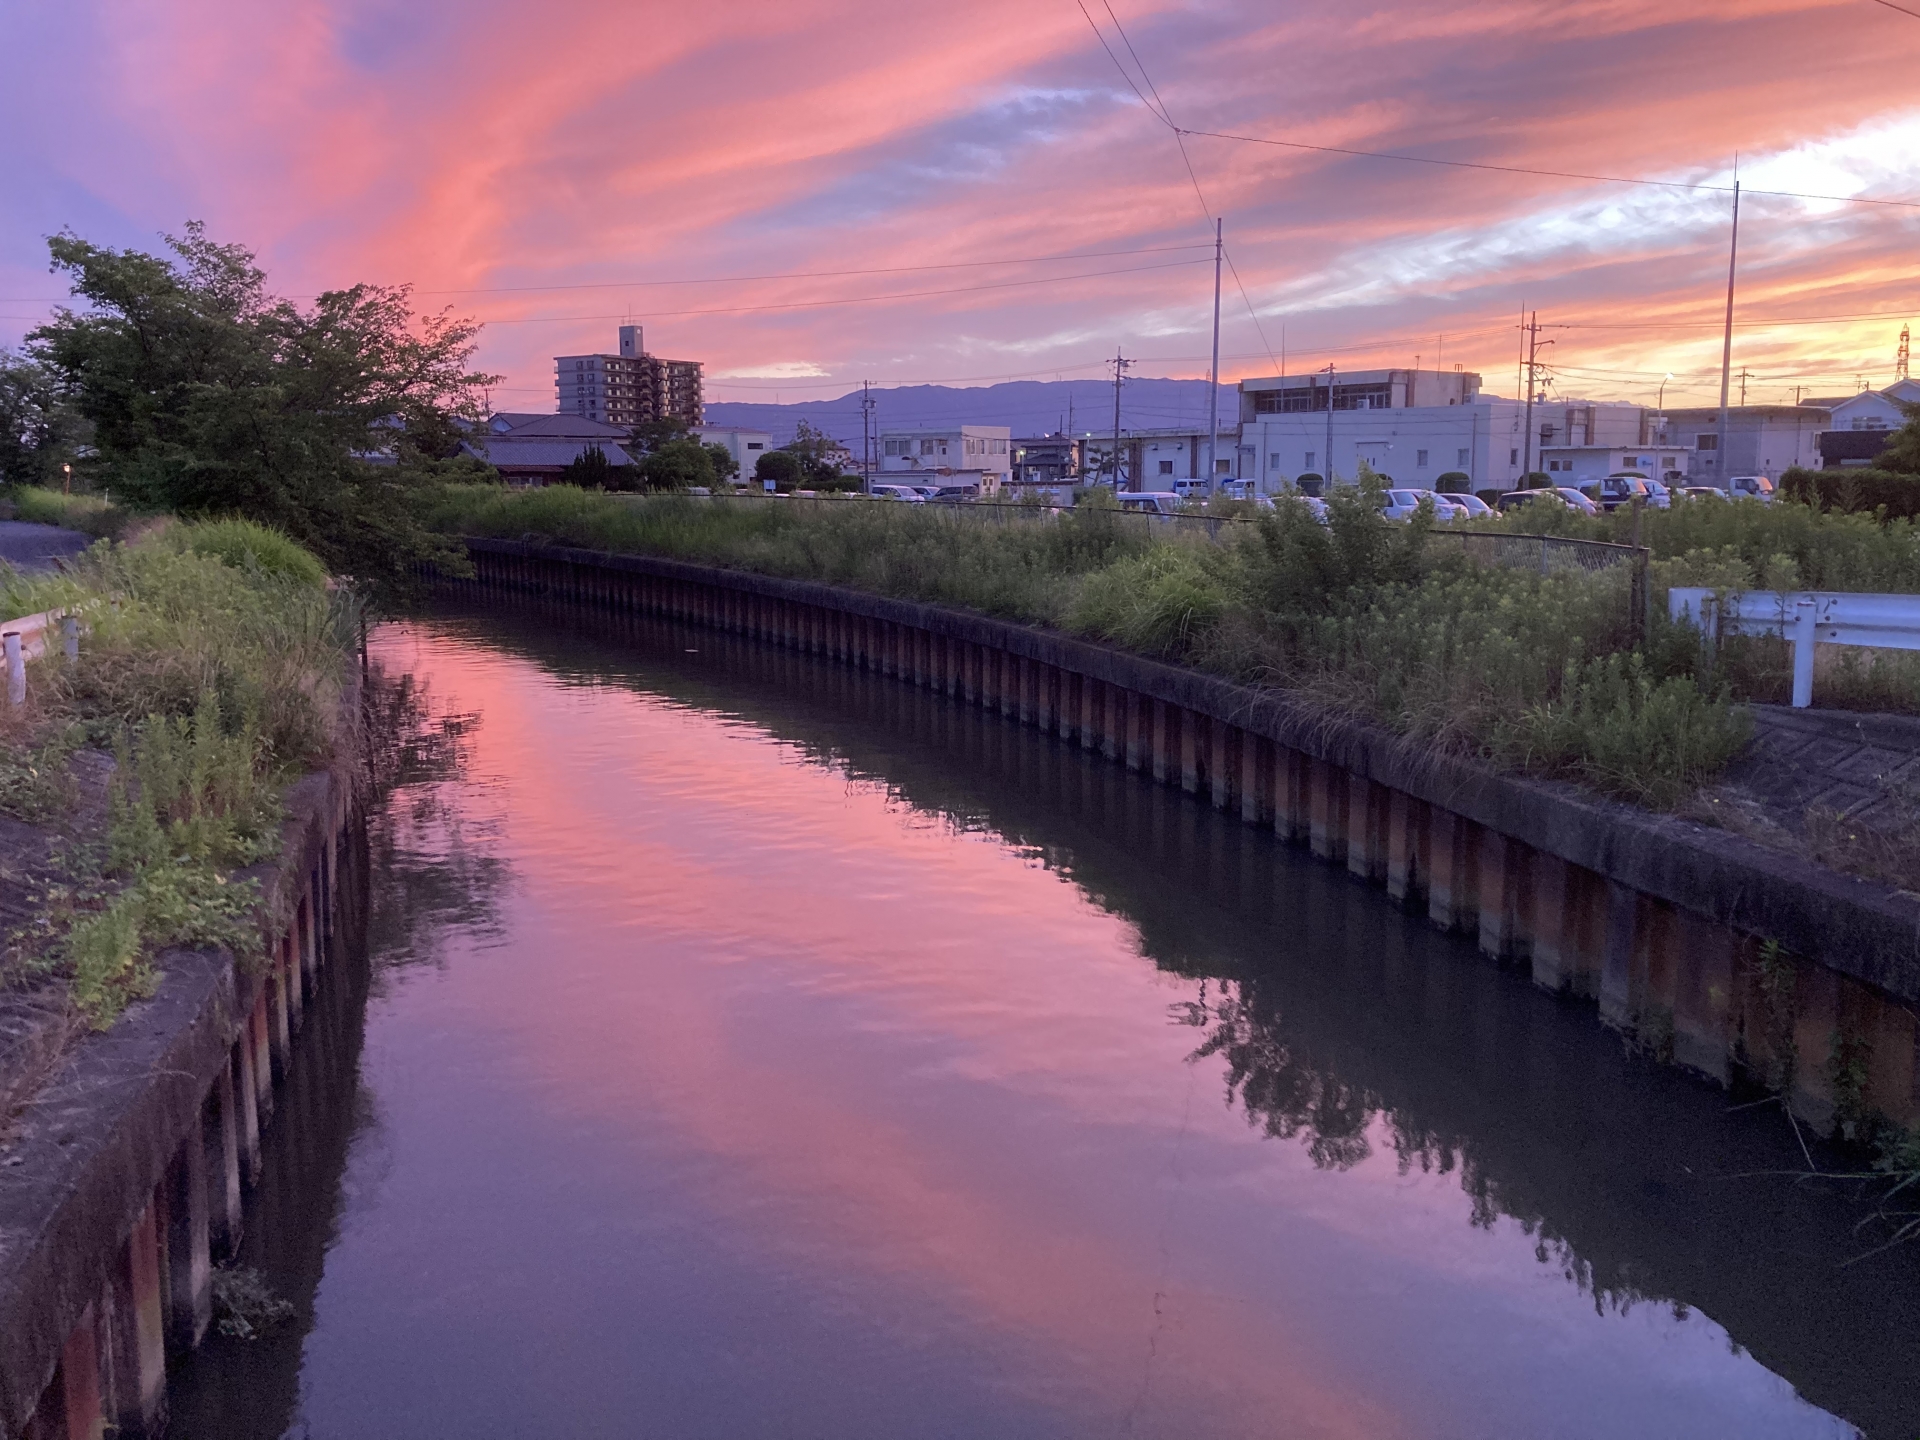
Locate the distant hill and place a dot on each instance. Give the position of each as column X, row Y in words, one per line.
column 1028, row 407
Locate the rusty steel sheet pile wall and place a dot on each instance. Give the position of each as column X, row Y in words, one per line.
column 124, row 1181
column 1737, row 961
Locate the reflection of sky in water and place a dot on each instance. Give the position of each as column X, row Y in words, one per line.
column 768, row 1105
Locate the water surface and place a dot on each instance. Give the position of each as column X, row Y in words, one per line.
column 754, row 1048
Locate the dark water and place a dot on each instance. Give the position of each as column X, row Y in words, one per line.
column 752, row 1048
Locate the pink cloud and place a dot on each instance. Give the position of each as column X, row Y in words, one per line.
column 499, row 145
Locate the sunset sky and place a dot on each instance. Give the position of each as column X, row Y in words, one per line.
column 554, row 170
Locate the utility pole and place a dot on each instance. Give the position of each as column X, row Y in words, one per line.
column 1328, row 487
column 866, row 431
column 1532, row 328
column 1213, row 375
column 1119, row 376
column 1744, row 373
column 1726, row 348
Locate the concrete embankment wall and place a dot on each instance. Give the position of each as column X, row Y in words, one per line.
column 124, row 1182
column 1739, row 962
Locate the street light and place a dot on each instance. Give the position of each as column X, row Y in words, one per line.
column 66, row 479
column 1662, row 403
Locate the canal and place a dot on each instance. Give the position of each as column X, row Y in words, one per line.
column 750, row 1047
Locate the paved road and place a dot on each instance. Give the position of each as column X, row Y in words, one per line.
column 35, row 547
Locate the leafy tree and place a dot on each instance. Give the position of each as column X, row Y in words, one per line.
column 676, row 465
column 1454, row 482
column 207, row 395
column 725, row 467
column 590, row 470
column 818, row 454
column 783, row 467
column 37, row 427
column 1902, row 453
column 650, row 435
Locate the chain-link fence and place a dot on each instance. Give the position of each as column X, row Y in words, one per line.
column 1543, row 553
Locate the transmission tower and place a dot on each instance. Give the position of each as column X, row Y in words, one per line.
column 1900, row 355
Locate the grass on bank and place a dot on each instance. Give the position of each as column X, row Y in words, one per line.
column 210, row 671
column 1360, row 616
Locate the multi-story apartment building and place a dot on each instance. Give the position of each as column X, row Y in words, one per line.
column 630, row 388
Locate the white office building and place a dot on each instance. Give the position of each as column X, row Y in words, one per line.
column 1416, row 426
column 964, row 454
column 745, row 445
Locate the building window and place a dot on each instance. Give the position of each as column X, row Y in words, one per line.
column 1420, row 458
column 1513, row 457
column 1166, row 467
column 757, row 445
column 1273, row 460
column 926, row 447
column 1631, row 462
column 1223, row 467
column 1706, row 442
column 1460, row 457
column 896, row 447
column 1309, row 464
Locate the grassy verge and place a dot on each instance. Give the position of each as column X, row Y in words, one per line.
column 151, row 767
column 1361, row 616
column 88, row 514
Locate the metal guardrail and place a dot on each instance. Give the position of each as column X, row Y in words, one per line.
column 27, row 639
column 1805, row 618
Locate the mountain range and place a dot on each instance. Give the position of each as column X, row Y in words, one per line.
column 1027, row 407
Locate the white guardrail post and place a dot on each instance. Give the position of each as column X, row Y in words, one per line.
column 1805, row 618
column 26, row 639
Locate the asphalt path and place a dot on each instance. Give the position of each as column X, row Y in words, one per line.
column 27, row 546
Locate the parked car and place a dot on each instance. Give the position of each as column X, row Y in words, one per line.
column 1752, row 487
column 1472, row 507
column 1401, row 504
column 1190, row 489
column 1150, row 502
column 1703, row 492
column 1576, row 500
column 898, row 492
column 1514, row 499
column 1620, row 489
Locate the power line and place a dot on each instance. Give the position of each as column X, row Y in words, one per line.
column 1901, row 8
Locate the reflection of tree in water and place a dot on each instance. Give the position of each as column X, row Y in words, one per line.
column 1291, row 1094
column 434, row 875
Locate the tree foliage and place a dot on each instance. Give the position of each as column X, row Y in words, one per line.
column 37, row 426
column 818, row 454
column 677, row 465
column 780, row 466
column 1902, row 453
column 725, row 467
column 207, row 395
column 590, row 470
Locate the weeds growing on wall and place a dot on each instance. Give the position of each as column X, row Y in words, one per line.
column 210, row 673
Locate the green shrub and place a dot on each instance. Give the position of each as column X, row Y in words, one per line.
column 1858, row 491
column 247, row 546
column 1454, row 482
